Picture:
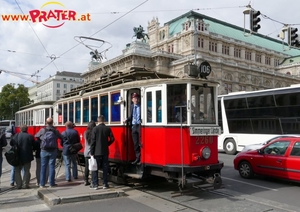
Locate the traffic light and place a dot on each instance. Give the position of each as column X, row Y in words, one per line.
column 292, row 37
column 254, row 20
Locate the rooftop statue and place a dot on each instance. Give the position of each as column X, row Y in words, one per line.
column 139, row 33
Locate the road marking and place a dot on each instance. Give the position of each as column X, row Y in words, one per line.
column 250, row 184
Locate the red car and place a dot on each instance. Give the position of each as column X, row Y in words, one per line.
column 279, row 158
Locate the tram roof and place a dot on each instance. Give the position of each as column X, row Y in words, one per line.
column 116, row 78
column 37, row 104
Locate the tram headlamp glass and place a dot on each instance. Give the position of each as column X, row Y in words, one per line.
column 206, row 152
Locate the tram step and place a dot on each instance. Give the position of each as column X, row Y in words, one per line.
column 136, row 176
column 194, row 180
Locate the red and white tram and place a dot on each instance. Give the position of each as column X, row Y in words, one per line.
column 179, row 131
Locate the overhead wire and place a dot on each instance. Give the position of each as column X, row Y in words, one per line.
column 35, row 34
column 53, row 58
column 99, row 31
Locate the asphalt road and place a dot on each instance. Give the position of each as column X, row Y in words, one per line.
column 259, row 194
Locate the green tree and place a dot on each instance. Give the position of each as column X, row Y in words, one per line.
column 12, row 99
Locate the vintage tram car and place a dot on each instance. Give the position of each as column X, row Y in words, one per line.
column 179, row 130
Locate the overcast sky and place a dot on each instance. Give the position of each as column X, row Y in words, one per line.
column 27, row 47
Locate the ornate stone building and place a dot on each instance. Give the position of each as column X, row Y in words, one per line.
column 239, row 61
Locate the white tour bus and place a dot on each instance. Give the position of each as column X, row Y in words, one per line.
column 8, row 125
column 257, row 116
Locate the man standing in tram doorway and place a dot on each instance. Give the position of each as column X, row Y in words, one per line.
column 135, row 120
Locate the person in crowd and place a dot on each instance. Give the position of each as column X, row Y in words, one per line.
column 48, row 151
column 37, row 150
column 87, row 150
column 12, row 176
column 71, row 136
column 102, row 138
column 135, row 121
column 12, row 171
column 3, row 143
column 25, row 143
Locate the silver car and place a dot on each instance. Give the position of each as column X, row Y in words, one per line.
column 258, row 146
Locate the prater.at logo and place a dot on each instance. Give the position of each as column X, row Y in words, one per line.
column 51, row 14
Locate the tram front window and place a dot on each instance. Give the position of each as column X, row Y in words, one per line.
column 202, row 105
column 177, row 99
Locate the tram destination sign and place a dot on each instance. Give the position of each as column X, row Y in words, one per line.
column 205, row 69
column 196, row 131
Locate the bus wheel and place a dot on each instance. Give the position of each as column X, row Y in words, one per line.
column 230, row 146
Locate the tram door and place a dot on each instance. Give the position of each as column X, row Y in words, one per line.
column 129, row 142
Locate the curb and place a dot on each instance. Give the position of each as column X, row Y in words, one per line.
column 51, row 199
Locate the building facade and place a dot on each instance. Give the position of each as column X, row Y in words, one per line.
column 55, row 86
column 239, row 61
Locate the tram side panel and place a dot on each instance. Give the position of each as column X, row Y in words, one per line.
column 163, row 146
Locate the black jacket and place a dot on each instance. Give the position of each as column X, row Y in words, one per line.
column 102, row 138
column 3, row 141
column 25, row 143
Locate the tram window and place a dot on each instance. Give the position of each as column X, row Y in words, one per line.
column 149, row 107
column 94, row 113
column 77, row 112
column 115, row 109
column 104, row 106
column 47, row 114
column 59, row 114
column 202, row 105
column 86, row 110
column 176, row 96
column 158, row 106
column 71, row 112
column 65, row 112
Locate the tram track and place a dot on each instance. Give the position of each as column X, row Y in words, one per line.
column 170, row 195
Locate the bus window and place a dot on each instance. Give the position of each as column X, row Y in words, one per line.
column 94, row 114
column 115, row 109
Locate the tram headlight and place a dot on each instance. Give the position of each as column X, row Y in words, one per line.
column 206, row 152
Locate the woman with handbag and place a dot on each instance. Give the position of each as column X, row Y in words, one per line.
column 87, row 149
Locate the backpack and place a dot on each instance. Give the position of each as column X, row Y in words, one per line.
column 12, row 156
column 49, row 140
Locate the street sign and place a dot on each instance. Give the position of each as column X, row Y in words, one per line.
column 205, row 69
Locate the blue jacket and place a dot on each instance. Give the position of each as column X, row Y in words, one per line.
column 74, row 138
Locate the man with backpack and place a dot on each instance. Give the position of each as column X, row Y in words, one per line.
column 3, row 143
column 49, row 147
column 71, row 137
